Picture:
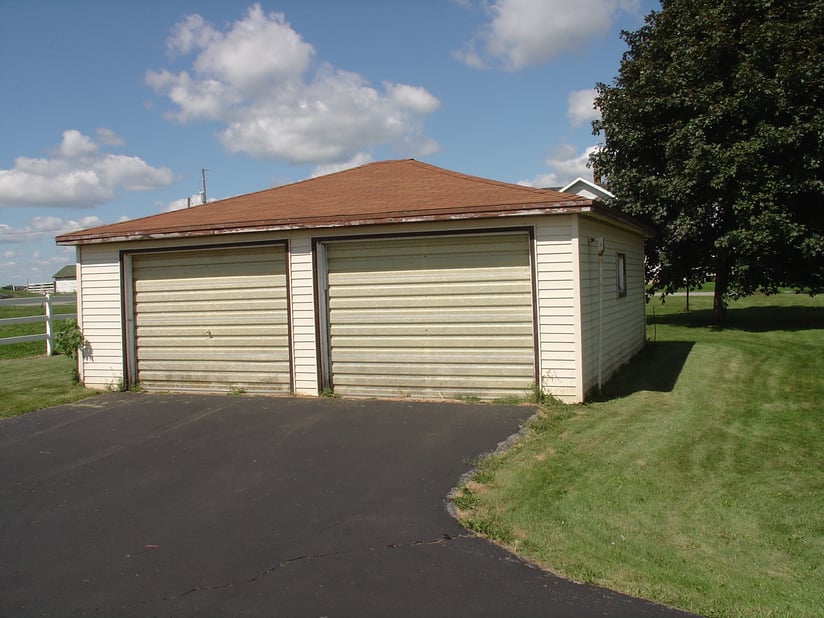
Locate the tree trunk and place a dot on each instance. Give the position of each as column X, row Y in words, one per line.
column 722, row 284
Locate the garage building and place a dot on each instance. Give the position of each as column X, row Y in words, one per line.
column 393, row 279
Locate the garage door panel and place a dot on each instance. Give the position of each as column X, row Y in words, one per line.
column 480, row 389
column 410, row 276
column 473, row 353
column 196, row 334
column 227, row 294
column 431, row 253
column 171, row 304
column 229, row 259
column 217, row 368
column 437, row 392
column 405, row 344
column 422, row 315
column 252, row 367
column 226, row 318
column 432, row 301
column 428, row 316
column 185, row 271
column 408, row 288
column 202, row 373
column 162, row 279
column 421, row 331
column 206, row 381
column 212, row 284
column 406, row 385
column 434, row 370
column 229, row 351
column 212, row 320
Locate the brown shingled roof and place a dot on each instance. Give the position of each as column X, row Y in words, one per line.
column 382, row 192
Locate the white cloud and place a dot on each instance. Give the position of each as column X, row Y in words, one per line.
column 543, row 181
column 77, row 175
column 330, row 168
column 35, row 266
column 42, row 227
column 109, row 137
column 256, row 77
column 580, row 108
column 470, row 57
column 75, row 144
column 565, row 165
column 178, row 204
column 255, row 51
column 190, row 33
column 186, row 202
column 413, row 98
column 130, row 173
column 522, row 33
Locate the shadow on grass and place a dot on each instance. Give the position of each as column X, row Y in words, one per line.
column 750, row 319
column 655, row 368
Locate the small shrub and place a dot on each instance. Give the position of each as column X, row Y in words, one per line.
column 491, row 529
column 465, row 500
column 117, row 386
column 69, row 339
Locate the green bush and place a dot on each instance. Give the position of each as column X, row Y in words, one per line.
column 69, row 339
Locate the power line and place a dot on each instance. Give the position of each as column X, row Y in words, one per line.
column 58, row 229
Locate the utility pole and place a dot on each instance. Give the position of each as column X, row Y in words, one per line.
column 203, row 171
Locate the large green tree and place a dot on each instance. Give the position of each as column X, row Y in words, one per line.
column 713, row 134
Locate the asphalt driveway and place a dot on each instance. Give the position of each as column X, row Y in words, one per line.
column 173, row 505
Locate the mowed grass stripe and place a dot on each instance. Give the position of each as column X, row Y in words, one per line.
column 37, row 382
column 696, row 480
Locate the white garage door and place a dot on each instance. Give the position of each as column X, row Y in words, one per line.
column 445, row 316
column 212, row 320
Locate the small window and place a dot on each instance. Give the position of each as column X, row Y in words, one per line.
column 621, row 271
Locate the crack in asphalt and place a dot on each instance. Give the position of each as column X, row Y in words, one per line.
column 444, row 538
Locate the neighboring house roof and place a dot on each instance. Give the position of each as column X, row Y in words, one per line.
column 587, row 188
column 67, row 272
column 381, row 192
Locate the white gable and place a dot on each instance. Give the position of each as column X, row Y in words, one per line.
column 588, row 189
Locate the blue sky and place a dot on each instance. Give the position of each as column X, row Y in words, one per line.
column 109, row 110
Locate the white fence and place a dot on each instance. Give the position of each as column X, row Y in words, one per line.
column 41, row 288
column 48, row 317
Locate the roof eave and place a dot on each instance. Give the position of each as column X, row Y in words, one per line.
column 604, row 212
column 82, row 238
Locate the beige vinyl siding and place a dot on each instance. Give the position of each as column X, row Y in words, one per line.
column 441, row 316
column 302, row 287
column 613, row 331
column 212, row 320
column 99, row 313
column 557, row 322
column 567, row 324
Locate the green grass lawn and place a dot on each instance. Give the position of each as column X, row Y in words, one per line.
column 36, row 382
column 695, row 480
column 34, row 348
column 29, row 380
